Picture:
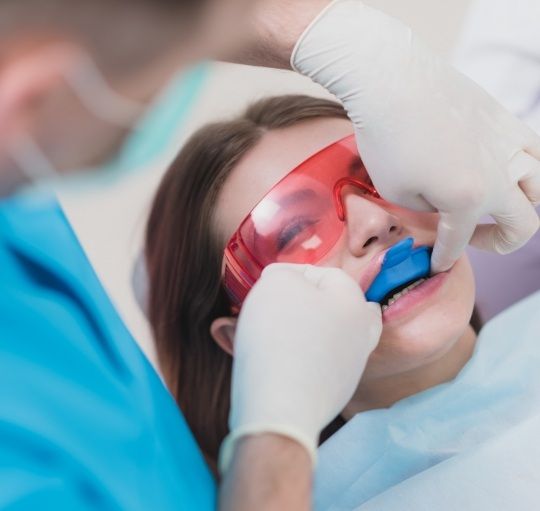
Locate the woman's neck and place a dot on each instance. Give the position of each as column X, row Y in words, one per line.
column 385, row 391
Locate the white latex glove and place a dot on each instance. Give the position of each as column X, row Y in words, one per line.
column 302, row 341
column 430, row 138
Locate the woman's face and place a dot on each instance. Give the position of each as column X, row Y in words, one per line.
column 418, row 328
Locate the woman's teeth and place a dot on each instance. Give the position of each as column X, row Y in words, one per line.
column 403, row 292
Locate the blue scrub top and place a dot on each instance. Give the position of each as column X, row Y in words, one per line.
column 85, row 422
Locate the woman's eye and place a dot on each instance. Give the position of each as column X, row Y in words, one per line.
column 295, row 230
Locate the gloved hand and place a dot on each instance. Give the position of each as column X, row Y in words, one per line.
column 430, row 138
column 302, row 341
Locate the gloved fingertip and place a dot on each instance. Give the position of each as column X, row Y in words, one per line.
column 439, row 268
column 375, row 307
column 326, row 278
column 313, row 274
column 440, row 262
column 281, row 267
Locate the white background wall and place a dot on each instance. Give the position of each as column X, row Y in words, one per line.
column 109, row 221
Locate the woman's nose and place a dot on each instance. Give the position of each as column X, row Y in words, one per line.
column 368, row 224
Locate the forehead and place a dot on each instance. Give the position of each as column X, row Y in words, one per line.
column 275, row 155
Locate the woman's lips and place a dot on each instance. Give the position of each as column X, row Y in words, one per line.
column 372, row 270
column 409, row 303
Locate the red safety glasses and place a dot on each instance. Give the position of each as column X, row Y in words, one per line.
column 298, row 221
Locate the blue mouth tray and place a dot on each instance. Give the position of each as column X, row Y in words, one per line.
column 401, row 264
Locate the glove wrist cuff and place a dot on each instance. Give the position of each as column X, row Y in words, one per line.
column 229, row 444
column 351, row 47
column 306, row 32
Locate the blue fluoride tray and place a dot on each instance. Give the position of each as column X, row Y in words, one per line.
column 402, row 264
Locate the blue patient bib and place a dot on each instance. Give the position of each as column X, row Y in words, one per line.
column 466, row 444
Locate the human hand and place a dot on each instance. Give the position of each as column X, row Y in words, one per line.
column 302, row 341
column 430, row 138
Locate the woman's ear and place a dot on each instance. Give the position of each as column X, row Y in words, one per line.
column 223, row 330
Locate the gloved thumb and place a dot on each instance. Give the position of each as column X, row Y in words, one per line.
column 453, row 234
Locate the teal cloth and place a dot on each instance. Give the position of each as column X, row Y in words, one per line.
column 157, row 130
column 156, row 133
column 85, row 422
column 448, row 438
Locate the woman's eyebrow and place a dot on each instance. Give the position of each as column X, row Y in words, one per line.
column 297, row 196
column 355, row 165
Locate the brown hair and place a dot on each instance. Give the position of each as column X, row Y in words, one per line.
column 184, row 255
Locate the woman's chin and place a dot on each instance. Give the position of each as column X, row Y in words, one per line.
column 424, row 327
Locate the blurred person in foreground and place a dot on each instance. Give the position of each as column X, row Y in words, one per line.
column 85, row 422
